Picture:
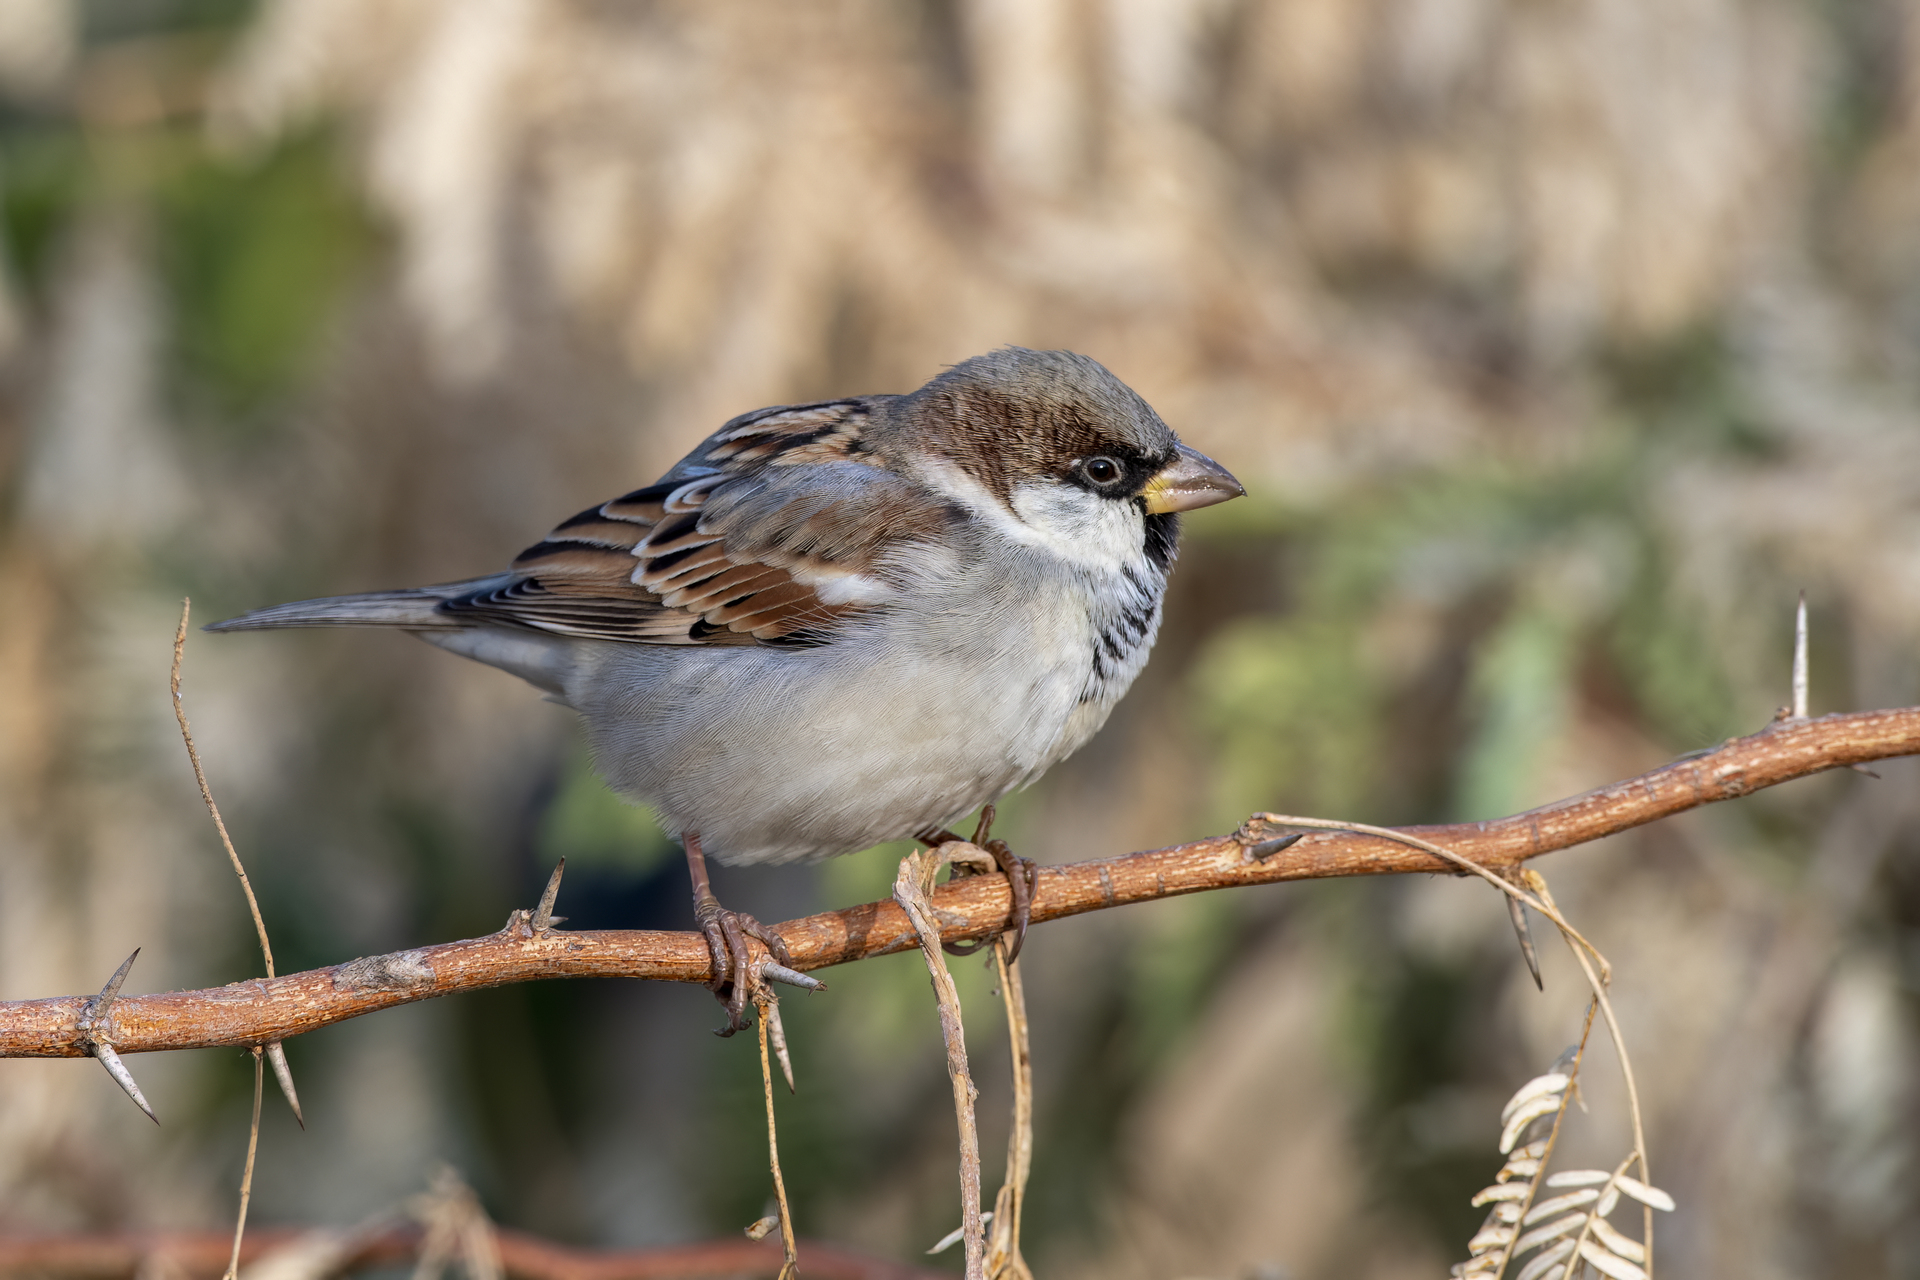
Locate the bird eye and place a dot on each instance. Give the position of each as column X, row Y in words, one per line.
column 1101, row 470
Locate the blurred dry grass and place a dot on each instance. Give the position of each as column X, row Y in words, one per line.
column 1560, row 344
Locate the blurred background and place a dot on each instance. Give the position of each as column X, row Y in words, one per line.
column 1559, row 343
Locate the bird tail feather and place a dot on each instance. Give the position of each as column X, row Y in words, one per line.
column 416, row 609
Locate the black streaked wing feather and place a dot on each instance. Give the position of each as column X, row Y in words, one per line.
column 733, row 546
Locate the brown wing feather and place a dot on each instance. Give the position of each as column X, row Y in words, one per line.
column 730, row 547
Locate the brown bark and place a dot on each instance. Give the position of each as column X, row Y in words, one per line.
column 263, row 1010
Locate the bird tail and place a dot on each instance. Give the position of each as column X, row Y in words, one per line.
column 416, row 609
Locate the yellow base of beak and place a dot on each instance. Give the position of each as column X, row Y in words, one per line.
column 1190, row 481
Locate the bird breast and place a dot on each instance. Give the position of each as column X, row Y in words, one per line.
column 987, row 668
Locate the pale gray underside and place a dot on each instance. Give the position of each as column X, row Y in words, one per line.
column 980, row 677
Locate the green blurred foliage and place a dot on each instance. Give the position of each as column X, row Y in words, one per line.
column 589, row 826
column 258, row 252
column 44, row 174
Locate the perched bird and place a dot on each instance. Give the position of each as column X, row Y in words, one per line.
column 837, row 624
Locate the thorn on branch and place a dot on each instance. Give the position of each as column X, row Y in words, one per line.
column 792, row 977
column 1517, row 912
column 1267, row 848
column 122, row 1077
column 543, row 917
column 277, row 1055
column 778, row 1033
column 96, row 1019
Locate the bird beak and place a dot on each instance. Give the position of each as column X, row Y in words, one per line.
column 1190, row 481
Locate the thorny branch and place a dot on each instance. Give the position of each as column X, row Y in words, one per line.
column 260, row 1011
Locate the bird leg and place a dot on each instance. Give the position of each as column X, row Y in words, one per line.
column 733, row 972
column 1022, row 879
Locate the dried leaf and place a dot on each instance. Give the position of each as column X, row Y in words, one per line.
column 1507, row 1211
column 1501, row 1191
column 760, row 1229
column 1552, row 1231
column 1608, row 1200
column 1491, row 1236
column 1609, row 1265
column 1517, row 1168
column 1653, row 1197
column 1529, row 1111
column 1625, row 1246
column 1578, row 1178
column 1551, row 1083
column 1560, row 1204
column 1548, row 1259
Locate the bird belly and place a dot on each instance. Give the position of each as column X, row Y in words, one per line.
column 775, row 755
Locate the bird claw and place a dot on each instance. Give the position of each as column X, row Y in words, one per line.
column 1023, row 878
column 730, row 956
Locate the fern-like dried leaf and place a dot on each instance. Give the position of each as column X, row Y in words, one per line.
column 1532, row 1109
column 1560, row 1204
column 1653, row 1197
column 1626, row 1246
column 1552, row 1231
column 1553, row 1083
column 1579, row 1178
column 1491, row 1236
column 1516, row 1168
column 1501, row 1191
column 1547, row 1260
column 1608, row 1264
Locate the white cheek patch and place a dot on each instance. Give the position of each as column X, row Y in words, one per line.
column 1078, row 526
column 1065, row 520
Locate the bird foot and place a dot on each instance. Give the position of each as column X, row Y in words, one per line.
column 736, row 976
column 1022, row 879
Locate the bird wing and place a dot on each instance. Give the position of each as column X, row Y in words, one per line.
column 774, row 531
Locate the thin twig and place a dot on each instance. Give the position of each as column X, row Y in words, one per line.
column 790, row 1259
column 246, row 1178
column 1004, row 1261
column 206, row 794
column 1544, row 906
column 281, row 1072
column 912, row 889
column 1800, row 660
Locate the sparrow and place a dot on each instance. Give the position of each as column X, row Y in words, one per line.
column 837, row 624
